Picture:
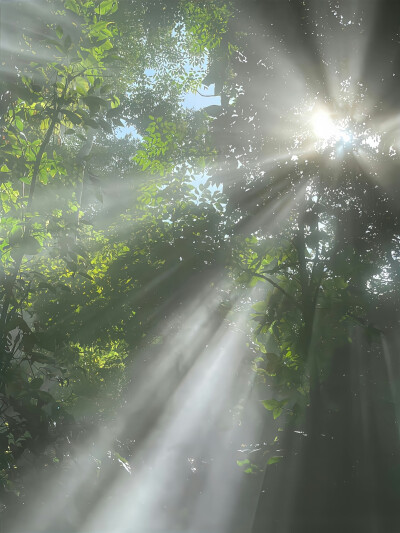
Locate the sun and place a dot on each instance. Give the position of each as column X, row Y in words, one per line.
column 328, row 130
column 323, row 125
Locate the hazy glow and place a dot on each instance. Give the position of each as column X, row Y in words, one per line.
column 185, row 419
column 330, row 131
column 324, row 127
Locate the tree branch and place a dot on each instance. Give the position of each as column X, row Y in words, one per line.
column 10, row 282
column 277, row 286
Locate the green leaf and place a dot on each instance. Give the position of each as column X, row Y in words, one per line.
column 36, row 383
column 72, row 117
column 340, row 283
column 106, row 7
column 120, row 458
column 95, row 100
column 15, row 235
column 72, row 5
column 105, row 125
column 45, row 396
column 260, row 307
column 275, row 406
column 59, row 32
column 270, row 404
column 67, row 42
column 19, row 124
column 273, row 364
column 275, row 459
column 90, row 122
column 31, row 246
column 242, row 463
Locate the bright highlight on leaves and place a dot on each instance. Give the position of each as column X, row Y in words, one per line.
column 275, row 406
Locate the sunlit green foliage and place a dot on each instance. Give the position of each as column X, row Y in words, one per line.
column 86, row 271
column 59, row 92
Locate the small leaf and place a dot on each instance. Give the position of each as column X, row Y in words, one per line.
column 36, row 383
column 15, row 235
column 90, row 122
column 275, row 459
column 275, row 406
column 59, row 32
column 67, row 42
column 104, row 7
column 273, row 364
column 260, row 307
column 72, row 117
column 120, row 458
column 95, row 101
column 270, row 404
column 19, row 123
column 31, row 246
column 105, row 125
column 45, row 396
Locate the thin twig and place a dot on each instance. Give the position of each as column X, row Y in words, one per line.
column 277, row 286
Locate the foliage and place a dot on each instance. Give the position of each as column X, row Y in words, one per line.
column 88, row 222
column 314, row 241
column 60, row 92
